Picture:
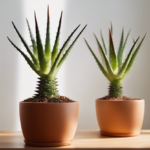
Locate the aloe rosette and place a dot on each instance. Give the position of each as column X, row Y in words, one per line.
column 113, row 66
column 46, row 61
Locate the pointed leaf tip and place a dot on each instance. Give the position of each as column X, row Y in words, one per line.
column 109, row 30
column 8, row 38
column 138, row 38
column 13, row 24
column 61, row 15
column 48, row 11
column 77, row 27
column 34, row 14
column 85, row 26
column 145, row 34
column 111, row 26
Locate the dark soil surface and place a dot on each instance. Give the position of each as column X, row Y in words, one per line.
column 60, row 99
column 118, row 98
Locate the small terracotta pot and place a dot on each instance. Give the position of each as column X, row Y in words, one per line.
column 120, row 118
column 49, row 124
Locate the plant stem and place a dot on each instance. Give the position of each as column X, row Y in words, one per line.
column 47, row 88
column 115, row 89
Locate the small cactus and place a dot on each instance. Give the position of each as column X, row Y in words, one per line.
column 114, row 68
column 46, row 62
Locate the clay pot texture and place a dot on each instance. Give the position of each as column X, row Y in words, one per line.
column 49, row 124
column 120, row 118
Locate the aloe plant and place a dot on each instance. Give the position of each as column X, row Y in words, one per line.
column 113, row 66
column 46, row 61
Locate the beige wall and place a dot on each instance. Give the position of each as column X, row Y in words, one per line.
column 80, row 77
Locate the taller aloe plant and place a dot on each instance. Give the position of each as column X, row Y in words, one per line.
column 114, row 68
column 46, row 61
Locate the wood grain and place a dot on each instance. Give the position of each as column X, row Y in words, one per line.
column 87, row 140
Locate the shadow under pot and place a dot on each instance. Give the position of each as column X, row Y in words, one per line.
column 49, row 124
column 120, row 118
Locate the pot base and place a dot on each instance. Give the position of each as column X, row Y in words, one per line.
column 119, row 134
column 48, row 144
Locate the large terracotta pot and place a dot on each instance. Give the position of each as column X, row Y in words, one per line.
column 120, row 118
column 49, row 124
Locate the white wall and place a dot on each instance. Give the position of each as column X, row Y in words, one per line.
column 80, row 77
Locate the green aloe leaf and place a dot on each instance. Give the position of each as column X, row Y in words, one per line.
column 27, row 47
column 104, row 58
column 133, row 57
column 33, row 41
column 31, row 64
column 120, row 51
column 55, row 48
column 112, row 54
column 125, row 42
column 123, row 69
column 103, row 41
column 41, row 53
column 99, row 64
column 47, row 42
column 59, row 56
column 101, row 51
column 67, row 51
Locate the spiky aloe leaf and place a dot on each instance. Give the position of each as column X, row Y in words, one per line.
column 60, row 54
column 33, row 41
column 99, row 64
column 112, row 54
column 125, row 42
column 104, row 57
column 47, row 41
column 108, row 66
column 41, row 53
column 67, row 52
column 100, row 51
column 27, row 47
column 103, row 41
column 123, row 69
column 133, row 57
column 31, row 64
column 120, row 50
column 55, row 48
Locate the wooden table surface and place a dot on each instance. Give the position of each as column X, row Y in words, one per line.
column 87, row 140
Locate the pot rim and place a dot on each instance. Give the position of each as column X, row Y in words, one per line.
column 140, row 99
column 43, row 103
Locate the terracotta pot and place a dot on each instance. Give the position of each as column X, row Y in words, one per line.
column 120, row 118
column 49, row 124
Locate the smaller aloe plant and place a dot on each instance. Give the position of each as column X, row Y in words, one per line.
column 46, row 62
column 114, row 68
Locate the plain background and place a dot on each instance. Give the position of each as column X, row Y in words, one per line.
column 79, row 78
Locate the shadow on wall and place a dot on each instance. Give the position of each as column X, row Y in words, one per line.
column 9, row 62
